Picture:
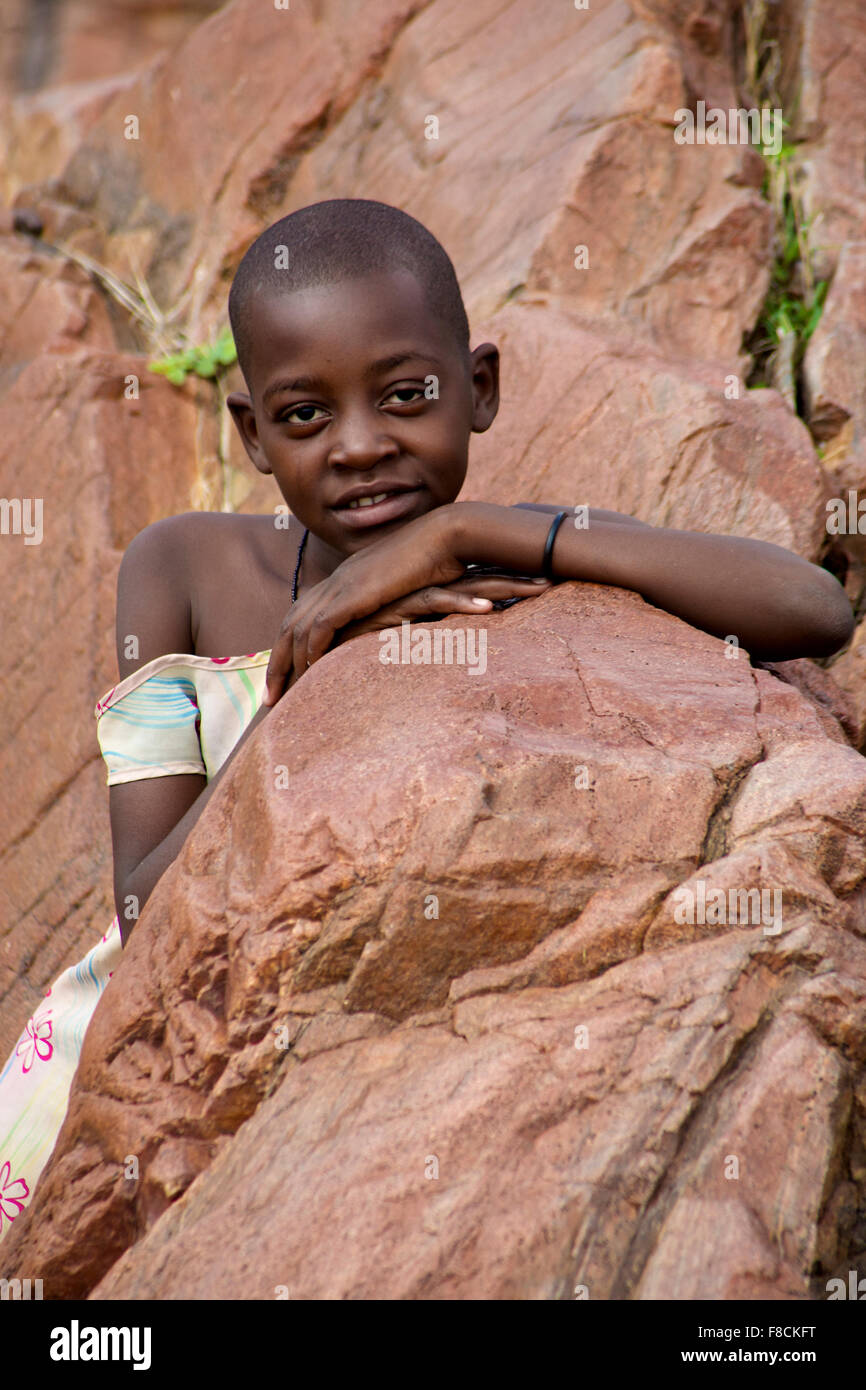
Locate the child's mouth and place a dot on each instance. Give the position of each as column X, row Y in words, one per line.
column 376, row 509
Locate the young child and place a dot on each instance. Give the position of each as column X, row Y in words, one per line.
column 363, row 392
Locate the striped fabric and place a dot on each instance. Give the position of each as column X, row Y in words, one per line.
column 179, row 713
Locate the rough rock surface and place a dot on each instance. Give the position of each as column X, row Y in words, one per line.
column 824, row 43
column 80, row 41
column 295, row 1044
column 597, row 122
column 76, row 444
column 827, row 99
column 834, row 376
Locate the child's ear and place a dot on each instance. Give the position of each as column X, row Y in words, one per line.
column 244, row 417
column 484, row 368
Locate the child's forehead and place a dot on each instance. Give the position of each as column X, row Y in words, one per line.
column 360, row 315
column 382, row 297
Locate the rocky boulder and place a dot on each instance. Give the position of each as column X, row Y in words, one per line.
column 542, row 980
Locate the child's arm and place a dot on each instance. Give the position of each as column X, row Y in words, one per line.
column 776, row 604
column 151, row 818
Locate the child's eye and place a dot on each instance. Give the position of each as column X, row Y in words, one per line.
column 302, row 412
column 406, row 394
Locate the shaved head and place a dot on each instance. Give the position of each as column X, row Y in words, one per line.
column 341, row 239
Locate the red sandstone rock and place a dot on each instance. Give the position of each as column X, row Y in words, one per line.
column 849, row 673
column 834, row 378
column 73, row 441
column 827, row 99
column 528, row 167
column 838, row 706
column 235, row 132
column 429, row 1098
column 83, row 40
column 617, row 426
column 46, row 303
column 679, row 242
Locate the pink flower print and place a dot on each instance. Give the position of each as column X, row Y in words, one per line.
column 12, row 1194
column 102, row 705
column 35, row 1042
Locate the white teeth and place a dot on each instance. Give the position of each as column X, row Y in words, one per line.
column 368, row 501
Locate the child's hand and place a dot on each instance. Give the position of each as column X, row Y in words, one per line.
column 419, row 554
column 469, row 595
column 419, row 557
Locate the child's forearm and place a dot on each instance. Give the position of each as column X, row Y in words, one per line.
column 141, row 882
column 776, row 604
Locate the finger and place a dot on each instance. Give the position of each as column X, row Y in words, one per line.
column 300, row 649
column 438, row 600
column 316, row 637
column 482, row 581
column 280, row 664
column 497, row 588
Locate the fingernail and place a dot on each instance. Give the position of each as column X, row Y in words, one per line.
column 482, row 602
column 539, row 581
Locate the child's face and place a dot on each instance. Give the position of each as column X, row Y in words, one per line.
column 329, row 414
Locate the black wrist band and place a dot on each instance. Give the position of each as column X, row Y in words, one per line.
column 547, row 562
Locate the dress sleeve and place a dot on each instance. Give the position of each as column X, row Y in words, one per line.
column 150, row 728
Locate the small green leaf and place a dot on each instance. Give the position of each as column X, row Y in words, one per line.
column 226, row 352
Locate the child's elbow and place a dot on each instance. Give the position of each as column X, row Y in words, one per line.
column 828, row 619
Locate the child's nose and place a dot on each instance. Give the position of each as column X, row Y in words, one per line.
column 362, row 438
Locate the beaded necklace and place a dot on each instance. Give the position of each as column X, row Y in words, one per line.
column 298, row 566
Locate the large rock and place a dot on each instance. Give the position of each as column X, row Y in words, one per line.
column 414, row 1013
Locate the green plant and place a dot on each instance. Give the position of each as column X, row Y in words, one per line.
column 162, row 333
column 795, row 300
column 206, row 360
column 784, row 314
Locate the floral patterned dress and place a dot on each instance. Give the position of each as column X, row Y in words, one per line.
column 177, row 714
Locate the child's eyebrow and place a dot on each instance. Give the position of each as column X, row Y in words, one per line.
column 311, row 383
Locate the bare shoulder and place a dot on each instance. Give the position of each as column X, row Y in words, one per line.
column 160, row 576
column 595, row 513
